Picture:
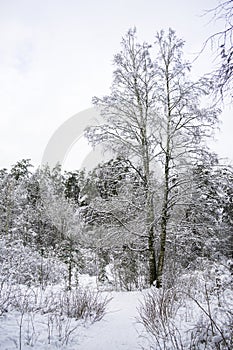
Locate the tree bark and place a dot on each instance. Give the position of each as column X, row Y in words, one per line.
column 164, row 218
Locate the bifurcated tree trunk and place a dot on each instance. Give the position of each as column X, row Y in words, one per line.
column 154, row 116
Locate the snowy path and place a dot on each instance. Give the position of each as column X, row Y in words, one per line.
column 118, row 329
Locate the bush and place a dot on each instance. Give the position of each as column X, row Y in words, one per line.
column 48, row 316
column 194, row 314
column 20, row 264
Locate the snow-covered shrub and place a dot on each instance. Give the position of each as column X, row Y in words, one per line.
column 5, row 298
column 20, row 264
column 157, row 313
column 49, row 315
column 78, row 303
column 194, row 314
column 82, row 303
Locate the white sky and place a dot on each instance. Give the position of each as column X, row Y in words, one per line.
column 55, row 55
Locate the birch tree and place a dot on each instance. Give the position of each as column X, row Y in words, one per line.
column 130, row 115
column 186, row 122
column 154, row 115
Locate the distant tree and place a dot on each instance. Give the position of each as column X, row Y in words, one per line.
column 21, row 169
column 225, row 195
column 72, row 187
column 115, row 221
column 6, row 203
column 14, row 200
column 62, row 229
column 204, row 226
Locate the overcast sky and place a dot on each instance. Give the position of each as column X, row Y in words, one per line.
column 55, row 55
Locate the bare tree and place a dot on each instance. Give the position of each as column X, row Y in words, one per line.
column 222, row 41
column 130, row 113
column 184, row 127
column 154, row 115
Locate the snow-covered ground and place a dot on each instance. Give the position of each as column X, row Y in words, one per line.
column 118, row 329
column 37, row 319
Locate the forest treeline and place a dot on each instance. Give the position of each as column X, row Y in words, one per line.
column 56, row 225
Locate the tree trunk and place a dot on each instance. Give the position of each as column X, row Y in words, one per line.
column 69, row 274
column 152, row 260
column 150, row 226
column 164, row 218
column 162, row 252
column 151, row 235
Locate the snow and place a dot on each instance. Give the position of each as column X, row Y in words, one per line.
column 119, row 328
column 37, row 322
